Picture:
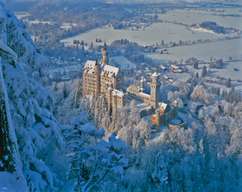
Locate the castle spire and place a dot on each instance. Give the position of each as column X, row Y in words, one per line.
column 104, row 55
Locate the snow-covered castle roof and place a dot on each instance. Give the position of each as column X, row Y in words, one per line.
column 110, row 70
column 90, row 66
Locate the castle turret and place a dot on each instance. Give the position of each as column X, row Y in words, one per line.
column 104, row 56
column 155, row 88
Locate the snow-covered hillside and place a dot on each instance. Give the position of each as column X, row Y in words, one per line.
column 55, row 157
column 38, row 133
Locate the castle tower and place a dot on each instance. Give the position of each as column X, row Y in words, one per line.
column 155, row 88
column 104, row 56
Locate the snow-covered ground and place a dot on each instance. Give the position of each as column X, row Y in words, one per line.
column 150, row 35
column 166, row 31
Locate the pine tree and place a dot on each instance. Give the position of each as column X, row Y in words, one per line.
column 9, row 151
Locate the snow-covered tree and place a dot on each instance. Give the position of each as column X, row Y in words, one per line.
column 38, row 134
column 93, row 161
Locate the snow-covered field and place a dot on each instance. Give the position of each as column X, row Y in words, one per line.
column 221, row 17
column 167, row 31
column 222, row 49
column 150, row 35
